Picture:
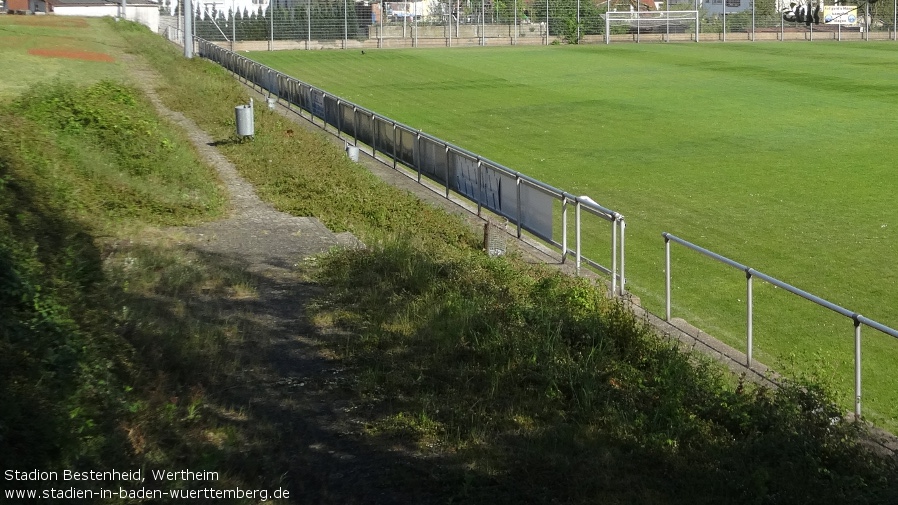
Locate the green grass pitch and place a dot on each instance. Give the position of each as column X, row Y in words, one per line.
column 778, row 155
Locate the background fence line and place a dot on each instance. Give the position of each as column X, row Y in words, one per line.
column 317, row 24
column 528, row 203
column 750, row 274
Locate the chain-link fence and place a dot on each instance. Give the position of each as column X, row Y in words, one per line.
column 316, row 24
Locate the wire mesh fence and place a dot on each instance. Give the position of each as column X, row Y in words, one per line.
column 316, row 24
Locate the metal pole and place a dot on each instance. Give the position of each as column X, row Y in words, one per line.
column 547, row 22
column 414, row 26
column 188, row 28
column 447, row 171
column 724, row 20
column 782, row 29
column 416, row 154
column 857, row 368
column 749, row 335
column 613, row 258
column 309, row 25
column 482, row 23
column 233, row 24
column 449, row 24
column 271, row 15
column 345, row 25
column 752, row 20
column 867, row 21
column 355, row 125
column 520, row 212
column 479, row 186
column 563, row 228
column 667, row 277
column 578, row 237
column 623, row 279
column 514, row 35
column 578, row 21
column 394, row 145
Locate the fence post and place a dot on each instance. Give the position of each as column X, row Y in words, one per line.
column 375, row 134
column 448, row 157
column 667, row 276
column 479, row 185
column 857, row 367
column 613, row 257
column 520, row 213
column 623, row 229
column 394, row 145
column 355, row 125
column 749, row 336
column 416, row 154
column 339, row 119
column 578, row 237
column 563, row 228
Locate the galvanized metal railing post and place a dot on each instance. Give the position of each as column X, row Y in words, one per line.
column 613, row 257
column 623, row 279
column 416, row 154
column 339, row 119
column 479, row 186
column 375, row 134
column 520, row 213
column 857, row 366
column 394, row 145
column 749, row 336
column 563, row 228
column 447, row 171
column 578, row 237
column 667, row 276
column 355, row 126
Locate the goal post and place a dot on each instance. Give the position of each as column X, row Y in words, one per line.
column 652, row 23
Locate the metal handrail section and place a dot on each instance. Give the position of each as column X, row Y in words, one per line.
column 291, row 90
column 750, row 274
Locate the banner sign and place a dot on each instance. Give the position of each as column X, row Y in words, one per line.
column 840, row 15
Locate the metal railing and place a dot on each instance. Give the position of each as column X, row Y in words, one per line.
column 526, row 202
column 750, row 274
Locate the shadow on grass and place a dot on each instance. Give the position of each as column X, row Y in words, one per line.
column 532, row 388
column 247, row 386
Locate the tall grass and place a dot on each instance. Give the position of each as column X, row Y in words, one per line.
column 536, row 388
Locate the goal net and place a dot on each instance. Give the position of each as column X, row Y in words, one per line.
column 658, row 25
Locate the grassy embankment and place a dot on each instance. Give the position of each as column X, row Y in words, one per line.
column 526, row 385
